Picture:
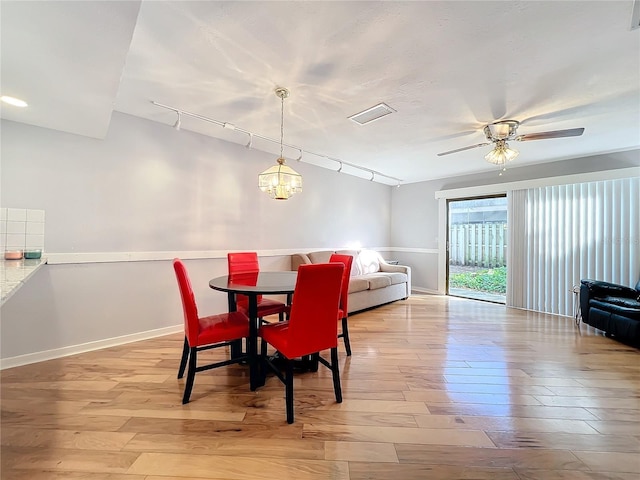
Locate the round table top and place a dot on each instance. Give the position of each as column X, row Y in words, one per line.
column 258, row 283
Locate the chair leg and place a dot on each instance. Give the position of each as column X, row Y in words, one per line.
column 345, row 335
column 314, row 360
column 281, row 317
column 183, row 360
column 335, row 370
column 262, row 362
column 191, row 375
column 236, row 348
column 289, row 390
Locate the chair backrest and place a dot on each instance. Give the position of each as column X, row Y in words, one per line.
column 312, row 322
column 191, row 322
column 347, row 260
column 243, row 262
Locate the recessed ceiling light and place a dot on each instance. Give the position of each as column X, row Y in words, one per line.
column 16, row 102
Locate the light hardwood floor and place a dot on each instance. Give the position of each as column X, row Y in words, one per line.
column 437, row 388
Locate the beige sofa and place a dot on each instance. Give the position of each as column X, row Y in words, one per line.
column 373, row 281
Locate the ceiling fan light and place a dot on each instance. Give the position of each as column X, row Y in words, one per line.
column 501, row 154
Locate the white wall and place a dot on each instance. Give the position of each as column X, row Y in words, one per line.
column 149, row 188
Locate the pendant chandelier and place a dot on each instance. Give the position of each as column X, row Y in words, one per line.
column 280, row 181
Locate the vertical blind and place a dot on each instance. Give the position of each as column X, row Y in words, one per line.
column 561, row 234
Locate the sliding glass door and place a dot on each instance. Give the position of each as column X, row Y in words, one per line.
column 477, row 248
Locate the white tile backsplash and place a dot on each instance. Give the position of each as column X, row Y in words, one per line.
column 17, row 214
column 15, row 241
column 21, row 229
column 34, row 241
column 35, row 228
column 16, row 228
column 35, row 215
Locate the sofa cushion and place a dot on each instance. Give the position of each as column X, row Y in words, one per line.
column 602, row 289
column 631, row 310
column 620, row 301
column 378, row 280
column 358, row 284
column 397, row 277
column 320, row 257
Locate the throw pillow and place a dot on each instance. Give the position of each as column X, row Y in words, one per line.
column 369, row 261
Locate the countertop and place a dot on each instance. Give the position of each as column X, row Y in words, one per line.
column 14, row 273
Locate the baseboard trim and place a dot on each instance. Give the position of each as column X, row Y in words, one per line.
column 35, row 357
column 425, row 290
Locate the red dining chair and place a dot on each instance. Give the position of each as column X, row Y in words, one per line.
column 311, row 327
column 247, row 262
column 204, row 333
column 347, row 260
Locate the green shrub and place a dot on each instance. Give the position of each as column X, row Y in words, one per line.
column 492, row 280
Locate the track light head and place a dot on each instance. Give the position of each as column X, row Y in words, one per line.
column 178, row 123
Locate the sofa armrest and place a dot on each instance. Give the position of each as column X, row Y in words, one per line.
column 386, row 267
column 298, row 259
column 598, row 288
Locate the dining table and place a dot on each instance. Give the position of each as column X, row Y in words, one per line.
column 253, row 285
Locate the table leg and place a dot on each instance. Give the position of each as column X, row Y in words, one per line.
column 252, row 347
column 236, row 347
column 576, row 304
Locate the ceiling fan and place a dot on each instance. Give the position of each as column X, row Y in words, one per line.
column 499, row 132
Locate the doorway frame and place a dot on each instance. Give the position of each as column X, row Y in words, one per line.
column 447, row 202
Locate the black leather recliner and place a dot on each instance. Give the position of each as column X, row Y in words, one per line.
column 614, row 309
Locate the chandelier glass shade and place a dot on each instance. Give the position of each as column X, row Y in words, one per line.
column 501, row 154
column 280, row 181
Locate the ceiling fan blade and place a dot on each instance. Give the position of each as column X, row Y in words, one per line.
column 571, row 132
column 464, row 148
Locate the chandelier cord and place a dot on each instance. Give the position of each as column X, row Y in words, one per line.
column 281, row 123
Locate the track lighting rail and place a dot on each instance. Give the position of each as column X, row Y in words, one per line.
column 251, row 135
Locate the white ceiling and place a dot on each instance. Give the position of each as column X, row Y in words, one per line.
column 447, row 67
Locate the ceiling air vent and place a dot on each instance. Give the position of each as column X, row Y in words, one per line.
column 371, row 114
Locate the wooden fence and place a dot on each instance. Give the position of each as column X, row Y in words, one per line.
column 478, row 244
